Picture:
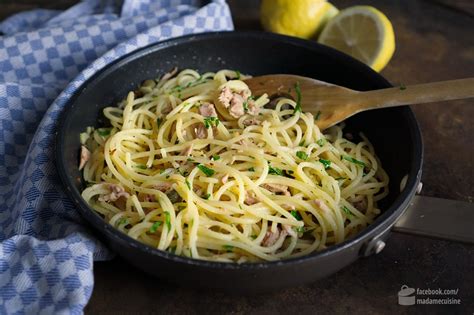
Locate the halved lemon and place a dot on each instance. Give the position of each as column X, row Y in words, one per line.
column 362, row 32
column 300, row 18
column 330, row 11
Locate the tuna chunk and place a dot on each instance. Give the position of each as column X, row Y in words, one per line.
column 200, row 131
column 163, row 187
column 277, row 188
column 235, row 102
column 116, row 191
column 149, row 198
column 236, row 109
column 226, row 96
column 245, row 94
column 253, row 109
column 250, row 199
column 85, row 156
column 207, row 110
column 288, row 207
column 251, row 122
column 289, row 230
column 271, row 238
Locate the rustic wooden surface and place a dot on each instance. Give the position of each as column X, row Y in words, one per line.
column 435, row 41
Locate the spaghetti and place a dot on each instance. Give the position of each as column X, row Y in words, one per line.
column 196, row 165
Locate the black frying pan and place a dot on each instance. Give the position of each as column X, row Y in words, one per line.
column 394, row 133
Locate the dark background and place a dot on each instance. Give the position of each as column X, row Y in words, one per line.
column 435, row 41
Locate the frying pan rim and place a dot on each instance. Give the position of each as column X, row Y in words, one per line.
column 386, row 219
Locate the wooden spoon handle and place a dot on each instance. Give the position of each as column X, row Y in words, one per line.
column 415, row 94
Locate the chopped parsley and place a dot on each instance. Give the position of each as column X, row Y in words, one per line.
column 346, row 210
column 206, row 170
column 300, row 229
column 190, row 160
column 104, row 132
column 246, row 105
column 340, row 178
column 296, row 215
column 206, row 196
column 188, row 184
column 215, row 157
column 177, row 88
column 228, row 248
column 318, row 115
column 321, row 142
column 211, row 121
column 352, row 160
column 191, row 83
column 275, row 171
column 253, row 236
column 159, row 120
column 298, row 98
column 123, row 221
column 141, row 166
column 301, row 144
column 168, row 220
column 302, row 155
column 326, row 163
column 252, row 169
column 237, row 73
column 155, row 226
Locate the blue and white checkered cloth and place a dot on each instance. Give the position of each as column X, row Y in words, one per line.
column 46, row 251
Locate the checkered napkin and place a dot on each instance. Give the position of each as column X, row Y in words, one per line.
column 46, row 252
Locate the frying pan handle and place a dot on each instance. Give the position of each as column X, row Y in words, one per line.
column 439, row 218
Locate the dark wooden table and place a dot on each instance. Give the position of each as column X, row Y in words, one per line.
column 435, row 41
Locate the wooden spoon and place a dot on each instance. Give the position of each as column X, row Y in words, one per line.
column 332, row 104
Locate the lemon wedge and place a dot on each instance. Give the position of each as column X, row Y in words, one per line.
column 363, row 32
column 300, row 18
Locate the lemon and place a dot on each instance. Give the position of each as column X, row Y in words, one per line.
column 330, row 12
column 300, row 18
column 362, row 32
